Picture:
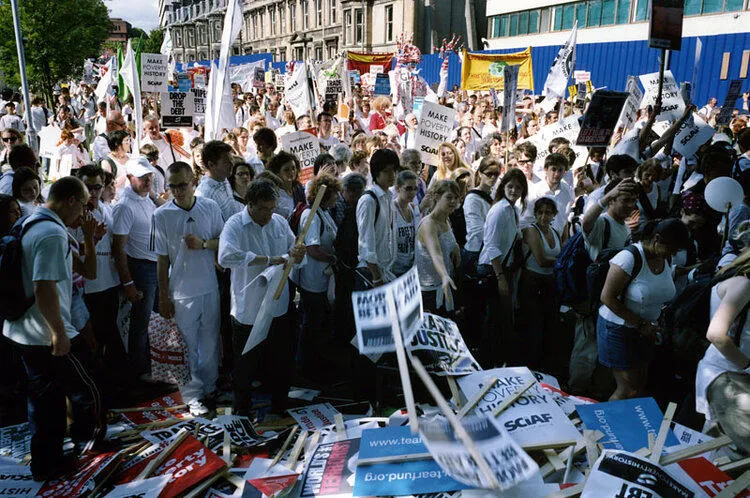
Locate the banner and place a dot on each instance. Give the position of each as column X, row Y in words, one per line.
column 629, row 112
column 382, row 85
column 330, row 470
column 314, row 417
column 435, row 127
column 331, row 78
column 600, row 118
column 373, row 321
column 485, row 71
column 508, row 462
column 562, row 67
column 672, row 105
column 362, row 62
column 244, row 74
column 16, row 481
column 296, row 90
column 693, row 133
column 725, row 115
column 129, row 74
column 441, row 348
column 306, row 147
column 510, row 76
column 154, row 72
column 177, row 109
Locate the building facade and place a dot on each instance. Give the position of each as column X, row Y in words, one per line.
column 119, row 30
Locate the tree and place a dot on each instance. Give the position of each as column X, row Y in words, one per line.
column 153, row 44
column 137, row 34
column 58, row 37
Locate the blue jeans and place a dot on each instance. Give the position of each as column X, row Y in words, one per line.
column 144, row 277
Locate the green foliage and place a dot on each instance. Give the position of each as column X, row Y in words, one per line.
column 58, row 36
column 136, row 33
column 153, row 44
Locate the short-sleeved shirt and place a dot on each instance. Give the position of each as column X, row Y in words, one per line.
column 619, row 235
column 221, row 193
column 312, row 276
column 132, row 217
column 106, row 271
column 46, row 257
column 191, row 270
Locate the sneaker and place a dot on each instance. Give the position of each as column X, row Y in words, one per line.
column 197, row 408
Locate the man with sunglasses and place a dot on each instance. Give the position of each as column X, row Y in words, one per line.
column 9, row 137
column 100, row 146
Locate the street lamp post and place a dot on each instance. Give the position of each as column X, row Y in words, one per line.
column 30, row 131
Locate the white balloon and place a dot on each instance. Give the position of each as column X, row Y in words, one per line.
column 722, row 192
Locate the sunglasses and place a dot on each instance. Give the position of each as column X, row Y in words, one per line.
column 95, row 187
column 10, row 139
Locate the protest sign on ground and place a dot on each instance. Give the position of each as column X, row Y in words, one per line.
column 618, row 473
column 709, row 478
column 146, row 488
column 267, row 479
column 177, row 109
column 600, row 118
column 441, row 348
column 330, row 471
column 190, row 463
column 158, row 414
column 214, row 433
column 508, row 462
column 625, row 424
column 154, row 71
column 306, row 147
column 435, row 126
column 534, row 419
column 565, row 401
column 89, row 475
column 693, row 133
column 672, row 105
column 406, row 478
column 373, row 321
column 15, row 441
column 16, row 481
column 313, row 417
column 240, row 429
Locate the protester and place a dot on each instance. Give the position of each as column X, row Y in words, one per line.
column 241, row 176
column 217, row 159
column 26, row 189
column 284, row 166
column 115, row 161
column 406, row 221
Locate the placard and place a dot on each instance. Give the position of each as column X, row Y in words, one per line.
column 15, row 441
column 240, row 429
column 296, row 90
column 213, row 432
column 184, row 83
column 376, row 69
column 568, row 127
column 672, row 105
column 706, row 475
column 693, row 133
column 306, row 147
column 725, row 115
column 154, row 72
column 157, row 415
column 199, row 102
column 582, row 76
column 665, row 26
column 177, row 109
column 16, row 481
column 435, row 127
column 371, row 317
column 533, row 419
column 314, row 417
column 600, row 118
column 441, row 348
column 397, row 479
column 146, row 488
column 625, row 424
column 259, row 77
column 508, row 462
column 330, row 471
column 510, row 76
column 382, row 85
column 630, row 109
column 189, row 464
column 87, row 477
column 566, row 402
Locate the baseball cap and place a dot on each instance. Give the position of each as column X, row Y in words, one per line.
column 138, row 167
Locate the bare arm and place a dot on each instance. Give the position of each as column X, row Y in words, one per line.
column 736, row 296
column 534, row 241
column 48, row 302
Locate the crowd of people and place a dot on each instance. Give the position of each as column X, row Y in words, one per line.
column 185, row 225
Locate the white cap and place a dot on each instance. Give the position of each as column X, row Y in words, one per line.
column 138, row 167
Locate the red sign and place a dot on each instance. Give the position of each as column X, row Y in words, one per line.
column 269, row 486
column 190, row 463
column 90, row 474
column 710, row 478
column 140, row 418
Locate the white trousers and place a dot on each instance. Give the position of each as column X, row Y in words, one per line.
column 198, row 320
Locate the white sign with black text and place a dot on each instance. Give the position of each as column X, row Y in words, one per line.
column 154, row 72
column 435, row 126
column 177, row 109
column 672, row 105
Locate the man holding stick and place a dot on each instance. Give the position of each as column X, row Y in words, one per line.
column 252, row 240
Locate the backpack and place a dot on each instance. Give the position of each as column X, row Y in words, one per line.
column 571, row 268
column 346, row 244
column 296, row 216
column 13, row 304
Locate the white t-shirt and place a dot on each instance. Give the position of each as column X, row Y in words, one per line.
column 221, row 193
column 406, row 235
column 312, row 276
column 619, row 234
column 646, row 293
column 132, row 217
column 563, row 197
column 327, row 143
column 106, row 271
column 46, row 256
column 191, row 270
column 476, row 208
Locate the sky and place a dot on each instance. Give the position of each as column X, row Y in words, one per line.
column 139, row 13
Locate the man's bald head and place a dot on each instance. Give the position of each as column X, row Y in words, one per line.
column 115, row 121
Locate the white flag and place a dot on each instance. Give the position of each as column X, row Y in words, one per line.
column 232, row 28
column 166, row 43
column 562, row 67
column 129, row 73
column 297, row 91
column 105, row 82
column 208, row 119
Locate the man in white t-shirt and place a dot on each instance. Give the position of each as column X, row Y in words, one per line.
column 168, row 152
column 325, row 121
column 217, row 159
column 186, row 233
column 54, row 355
column 554, row 187
column 11, row 119
column 135, row 258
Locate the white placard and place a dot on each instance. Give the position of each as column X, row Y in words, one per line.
column 177, row 109
column 693, row 133
column 49, row 137
column 16, row 481
column 199, row 101
column 630, row 109
column 441, row 348
column 567, row 128
column 435, row 127
column 154, row 72
column 582, row 76
column 672, row 105
column 146, row 488
column 314, row 417
column 297, row 91
column 305, row 146
column 240, row 429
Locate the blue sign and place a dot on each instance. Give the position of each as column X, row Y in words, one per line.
column 398, row 479
column 382, row 85
column 183, row 83
column 625, row 423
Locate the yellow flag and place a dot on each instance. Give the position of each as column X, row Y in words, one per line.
column 485, row 71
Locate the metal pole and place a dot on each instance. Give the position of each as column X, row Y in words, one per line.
column 30, row 131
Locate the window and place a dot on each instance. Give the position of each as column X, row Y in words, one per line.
column 282, row 18
column 544, row 22
column 300, row 54
column 202, row 35
column 331, row 51
column 305, row 14
column 255, row 26
column 581, row 14
column 733, row 5
column 190, row 38
column 523, row 23
column 513, row 31
column 558, row 18
column 595, row 13
column 318, row 53
column 534, row 21
column 177, row 38
column 608, row 12
column 359, row 29
column 318, row 13
column 261, row 24
column 568, row 16
column 389, row 23
column 623, row 12
column 293, row 16
column 504, row 26
column 272, row 17
column 712, row 6
column 347, row 26
column 692, row 7
column 282, row 54
column 332, row 12
column 642, row 10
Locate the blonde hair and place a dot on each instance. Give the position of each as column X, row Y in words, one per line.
column 443, row 170
column 741, row 265
column 381, row 103
column 441, row 187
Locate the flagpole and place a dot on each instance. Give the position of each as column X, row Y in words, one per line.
column 30, row 131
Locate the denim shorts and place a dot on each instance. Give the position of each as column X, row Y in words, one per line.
column 621, row 347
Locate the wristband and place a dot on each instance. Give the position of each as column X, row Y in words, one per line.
column 599, row 203
column 129, row 283
column 203, row 244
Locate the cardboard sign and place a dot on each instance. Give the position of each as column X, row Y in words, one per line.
column 240, row 429
column 15, row 441
column 296, row 90
column 158, row 414
column 314, row 417
column 330, row 471
column 16, row 480
column 435, row 127
column 533, row 419
column 154, row 72
column 725, row 115
column 665, row 26
column 567, row 128
column 184, row 83
column 376, row 69
column 600, row 118
column 133, row 466
column 508, row 462
column 441, row 348
column 618, row 473
column 382, row 85
column 396, row 479
column 210, row 430
column 707, row 476
column 89, row 475
column 273, row 485
column 567, row 402
column 259, row 77
column 199, row 102
column 373, row 321
column 672, row 105
column 693, row 133
column 625, row 424
column 177, row 109
column 333, row 88
column 632, row 103
column 189, row 464
column 49, row 137
column 305, row 146
column 510, row 75
column 146, row 488
column 582, row 76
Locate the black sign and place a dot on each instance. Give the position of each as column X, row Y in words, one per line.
column 665, row 29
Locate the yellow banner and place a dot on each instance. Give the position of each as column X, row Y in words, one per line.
column 485, row 71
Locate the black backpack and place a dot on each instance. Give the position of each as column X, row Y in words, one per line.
column 13, row 301
column 346, row 243
column 596, row 273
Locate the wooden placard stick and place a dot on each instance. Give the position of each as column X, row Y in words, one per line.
column 548, row 445
column 473, row 401
column 412, row 457
column 201, row 489
column 161, row 457
column 468, row 443
column 455, row 393
column 147, row 409
column 694, row 450
column 340, row 426
column 592, row 452
column 403, row 369
column 296, row 450
column 314, row 440
column 284, row 446
column 568, row 467
column 666, row 422
column 740, row 484
column 554, row 459
column 513, row 397
column 300, row 239
column 735, row 466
